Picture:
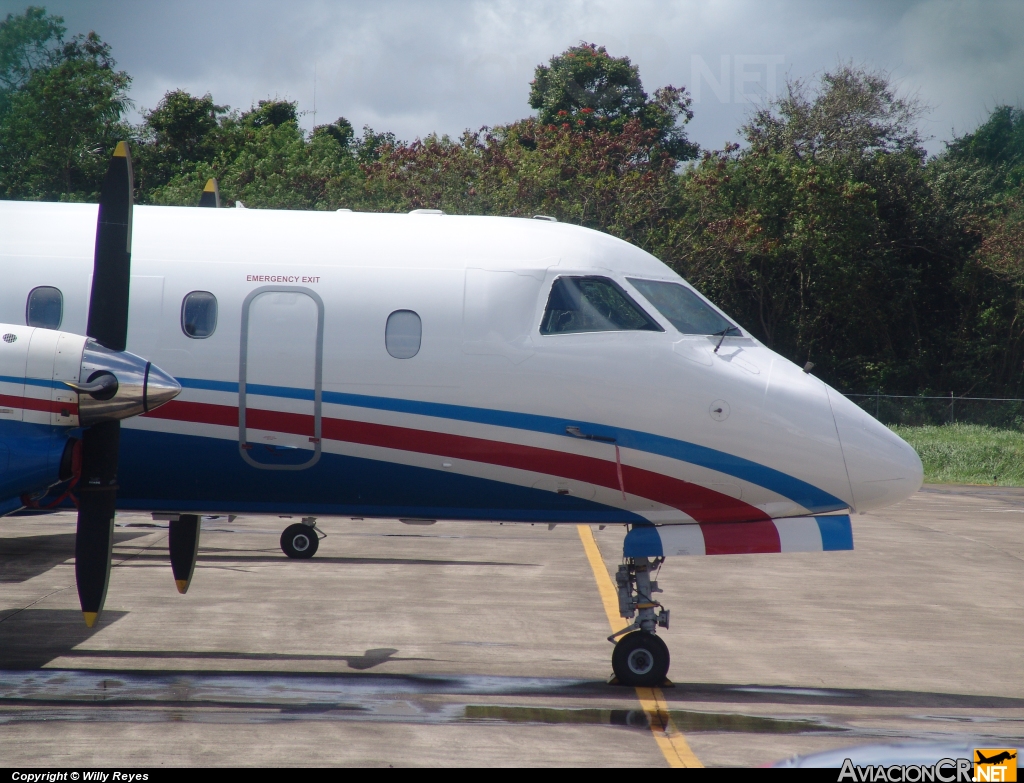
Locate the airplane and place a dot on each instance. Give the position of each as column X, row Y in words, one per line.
column 996, row 759
column 427, row 366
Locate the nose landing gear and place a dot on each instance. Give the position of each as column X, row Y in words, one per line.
column 640, row 657
column 301, row 540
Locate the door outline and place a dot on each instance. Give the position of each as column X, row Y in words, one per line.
column 243, row 361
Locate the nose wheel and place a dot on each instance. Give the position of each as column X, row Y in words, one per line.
column 640, row 659
column 300, row 541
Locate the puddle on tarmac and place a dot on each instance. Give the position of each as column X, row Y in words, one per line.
column 279, row 689
column 399, row 711
column 683, row 720
column 781, row 691
column 245, row 715
column 82, row 696
column 969, row 719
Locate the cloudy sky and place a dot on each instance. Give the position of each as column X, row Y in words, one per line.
column 418, row 67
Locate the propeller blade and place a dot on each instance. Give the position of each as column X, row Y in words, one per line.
column 108, row 304
column 211, row 194
column 183, row 542
column 97, row 497
column 108, row 325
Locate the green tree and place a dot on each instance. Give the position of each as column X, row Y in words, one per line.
column 62, row 123
column 272, row 114
column 340, row 130
column 854, row 115
column 619, row 182
column 586, row 88
column 262, row 158
column 834, row 239
column 28, row 43
column 371, row 145
column 179, row 133
column 830, row 233
column 997, row 143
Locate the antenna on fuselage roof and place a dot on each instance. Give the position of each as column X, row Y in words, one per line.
column 211, row 194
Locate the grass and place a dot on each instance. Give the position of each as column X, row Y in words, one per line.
column 968, row 454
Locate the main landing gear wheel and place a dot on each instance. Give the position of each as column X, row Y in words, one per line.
column 640, row 659
column 299, row 541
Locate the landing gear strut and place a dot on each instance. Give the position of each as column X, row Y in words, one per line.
column 300, row 540
column 640, row 658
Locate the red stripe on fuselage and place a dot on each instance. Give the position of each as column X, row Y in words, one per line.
column 35, row 404
column 701, row 503
column 741, row 538
column 197, row 413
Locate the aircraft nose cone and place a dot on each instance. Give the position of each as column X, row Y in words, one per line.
column 160, row 388
column 883, row 468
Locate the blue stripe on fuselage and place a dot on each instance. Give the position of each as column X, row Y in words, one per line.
column 166, row 471
column 807, row 495
column 836, row 533
column 40, row 382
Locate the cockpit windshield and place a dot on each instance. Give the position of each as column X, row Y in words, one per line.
column 592, row 304
column 688, row 312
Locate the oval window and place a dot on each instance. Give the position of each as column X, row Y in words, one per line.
column 402, row 334
column 45, row 307
column 199, row 314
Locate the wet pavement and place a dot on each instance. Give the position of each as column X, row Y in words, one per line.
column 485, row 644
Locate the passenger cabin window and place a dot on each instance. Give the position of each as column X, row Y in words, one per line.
column 402, row 334
column 45, row 307
column 199, row 314
column 682, row 307
column 592, row 304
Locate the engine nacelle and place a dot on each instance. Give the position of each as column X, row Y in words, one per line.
column 52, row 383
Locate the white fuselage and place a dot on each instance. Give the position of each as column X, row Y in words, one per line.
column 473, row 425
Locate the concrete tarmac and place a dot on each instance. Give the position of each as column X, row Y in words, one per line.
column 484, row 644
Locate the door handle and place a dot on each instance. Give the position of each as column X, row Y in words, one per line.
column 577, row 433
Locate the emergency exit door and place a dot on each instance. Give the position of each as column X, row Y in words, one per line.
column 280, row 378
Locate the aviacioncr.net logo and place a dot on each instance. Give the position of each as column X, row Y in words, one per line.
column 942, row 771
column 995, row 765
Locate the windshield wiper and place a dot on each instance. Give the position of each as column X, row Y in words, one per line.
column 722, row 335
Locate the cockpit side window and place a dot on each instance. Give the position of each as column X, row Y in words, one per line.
column 593, row 304
column 682, row 307
column 45, row 307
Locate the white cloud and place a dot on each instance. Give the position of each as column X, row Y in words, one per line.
column 418, row 67
column 964, row 58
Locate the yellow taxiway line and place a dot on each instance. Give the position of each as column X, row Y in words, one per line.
column 670, row 740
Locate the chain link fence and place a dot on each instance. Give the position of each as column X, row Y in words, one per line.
column 1003, row 413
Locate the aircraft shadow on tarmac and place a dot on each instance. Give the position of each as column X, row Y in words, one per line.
column 243, row 557
column 368, row 660
column 31, row 638
column 25, row 557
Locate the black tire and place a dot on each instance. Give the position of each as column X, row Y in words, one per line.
column 299, row 541
column 640, row 659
